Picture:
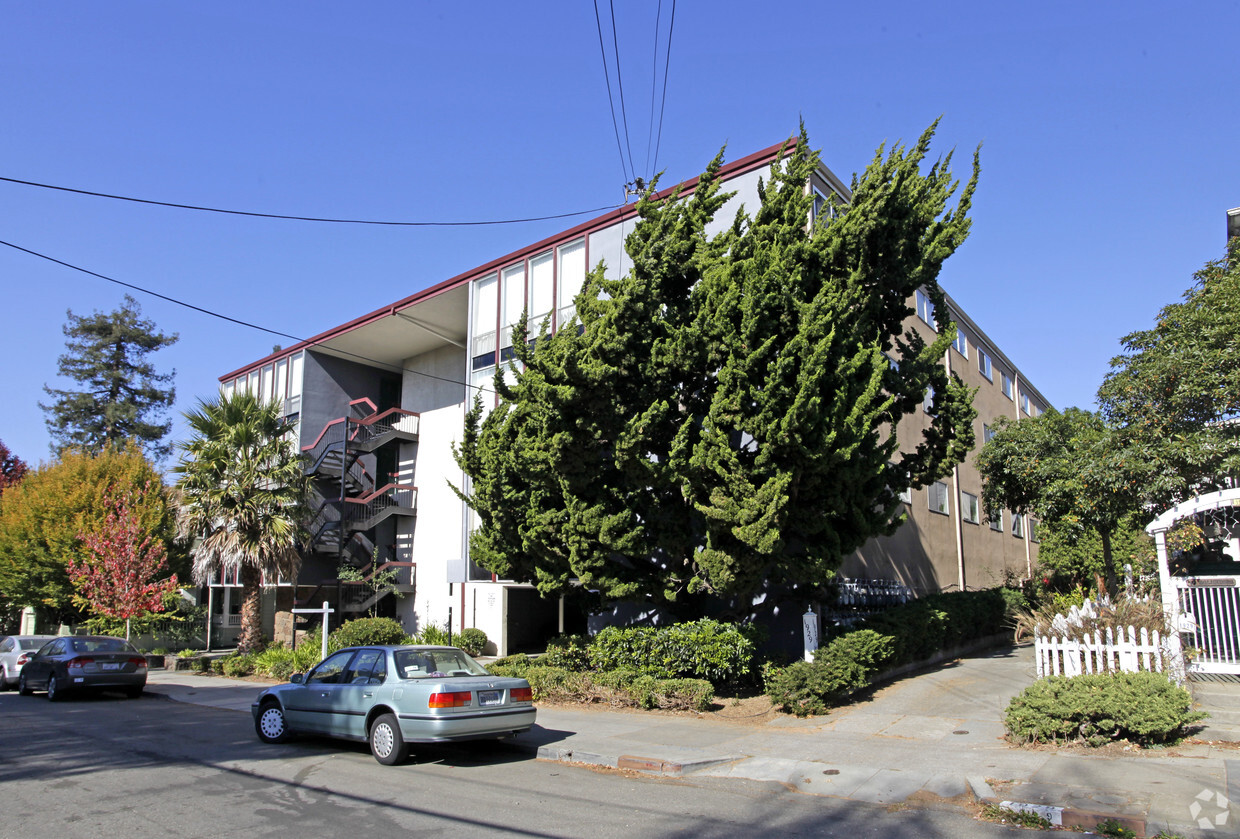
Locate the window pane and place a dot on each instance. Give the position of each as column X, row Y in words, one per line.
column 571, row 276
column 514, row 293
column 281, row 380
column 541, row 275
column 294, row 376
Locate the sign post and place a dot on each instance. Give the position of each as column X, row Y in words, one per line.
column 325, row 611
column 810, row 630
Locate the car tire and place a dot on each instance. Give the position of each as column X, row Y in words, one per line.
column 386, row 742
column 22, row 687
column 55, row 692
column 270, row 724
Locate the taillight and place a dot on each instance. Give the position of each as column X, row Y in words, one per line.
column 521, row 694
column 22, row 659
column 79, row 663
column 456, row 699
column 138, row 661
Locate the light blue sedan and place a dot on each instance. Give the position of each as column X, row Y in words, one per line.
column 391, row 696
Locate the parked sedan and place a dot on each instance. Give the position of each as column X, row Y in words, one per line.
column 15, row 651
column 391, row 696
column 81, row 662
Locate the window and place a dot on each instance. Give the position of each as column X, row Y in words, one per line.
column 1024, row 402
column 969, row 508
column 937, row 496
column 961, row 343
column 988, row 433
column 995, row 521
column 925, row 309
column 927, row 403
column 983, row 364
column 330, row 671
column 1007, row 385
column 281, row 382
column 825, row 206
column 1018, row 526
column 570, row 277
column 513, row 289
column 542, row 273
column 1033, row 531
column 486, row 313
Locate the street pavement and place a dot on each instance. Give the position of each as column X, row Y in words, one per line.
column 932, row 739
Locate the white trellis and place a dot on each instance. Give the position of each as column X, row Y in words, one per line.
column 1100, row 652
column 1205, row 609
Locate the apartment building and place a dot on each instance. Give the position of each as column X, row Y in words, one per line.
column 380, row 400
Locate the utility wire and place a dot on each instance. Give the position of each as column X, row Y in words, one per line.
column 666, row 66
column 307, row 218
column 237, row 321
column 654, row 85
column 620, row 83
column 610, row 101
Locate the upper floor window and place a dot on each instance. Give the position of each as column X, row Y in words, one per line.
column 486, row 318
column 927, row 403
column 925, row 310
column 571, row 276
column 1024, row 402
column 513, row 290
column 1018, row 525
column 961, row 343
column 937, row 496
column 995, row 521
column 542, row 282
column 983, row 364
column 969, row 508
column 1007, row 385
column 987, row 433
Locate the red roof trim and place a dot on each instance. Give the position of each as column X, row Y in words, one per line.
column 728, row 170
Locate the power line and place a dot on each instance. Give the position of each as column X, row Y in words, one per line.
column 237, row 321
column 654, row 83
column 615, row 40
column 667, row 63
column 306, row 218
column 610, row 101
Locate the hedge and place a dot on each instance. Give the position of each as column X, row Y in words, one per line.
column 614, row 687
column 716, row 652
column 1096, row 709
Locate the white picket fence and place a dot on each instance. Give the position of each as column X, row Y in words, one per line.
column 1100, row 653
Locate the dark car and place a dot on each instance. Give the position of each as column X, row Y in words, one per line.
column 84, row 662
column 391, row 696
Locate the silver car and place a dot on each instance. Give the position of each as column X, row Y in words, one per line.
column 391, row 696
column 15, row 651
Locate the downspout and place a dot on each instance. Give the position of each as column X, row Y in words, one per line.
column 1028, row 550
column 957, row 520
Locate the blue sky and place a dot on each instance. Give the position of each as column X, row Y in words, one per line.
column 1108, row 137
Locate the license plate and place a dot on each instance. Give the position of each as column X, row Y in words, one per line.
column 111, row 667
column 490, row 697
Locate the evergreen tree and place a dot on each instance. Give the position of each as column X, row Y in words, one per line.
column 725, row 419
column 122, row 396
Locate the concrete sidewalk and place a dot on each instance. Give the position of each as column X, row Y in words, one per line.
column 930, row 739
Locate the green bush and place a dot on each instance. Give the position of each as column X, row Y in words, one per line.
column 706, row 649
column 846, row 664
column 513, row 665
column 472, row 640
column 925, row 626
column 434, row 635
column 235, row 666
column 1144, row 708
column 571, row 652
column 363, row 631
column 619, row 687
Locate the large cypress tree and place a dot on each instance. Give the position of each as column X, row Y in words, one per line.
column 122, row 397
column 725, row 420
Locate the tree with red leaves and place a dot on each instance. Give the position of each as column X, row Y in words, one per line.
column 118, row 580
column 12, row 467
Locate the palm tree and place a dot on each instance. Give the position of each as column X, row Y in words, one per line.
column 242, row 499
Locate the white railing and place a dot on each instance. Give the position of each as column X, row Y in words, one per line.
column 1102, row 652
column 1209, row 622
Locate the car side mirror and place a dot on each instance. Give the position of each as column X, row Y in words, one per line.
column 297, row 678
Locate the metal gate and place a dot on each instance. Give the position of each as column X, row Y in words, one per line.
column 1209, row 622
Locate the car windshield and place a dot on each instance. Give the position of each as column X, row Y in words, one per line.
column 101, row 645
column 436, row 664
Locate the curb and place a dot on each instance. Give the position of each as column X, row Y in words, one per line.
column 636, row 763
column 1069, row 817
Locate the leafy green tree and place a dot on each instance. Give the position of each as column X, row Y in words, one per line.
column 12, row 467
column 1174, row 391
column 1069, row 471
column 242, row 499
column 43, row 517
column 122, row 397
column 1073, row 555
column 726, row 419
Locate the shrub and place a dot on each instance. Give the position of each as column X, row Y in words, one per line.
column 846, row 664
column 925, row 626
column 434, row 635
column 513, row 665
column 235, row 666
column 363, row 631
column 472, row 640
column 619, row 687
column 1145, row 708
column 187, row 653
column 571, row 652
column 706, row 649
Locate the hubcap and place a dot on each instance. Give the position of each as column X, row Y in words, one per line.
column 272, row 722
column 382, row 740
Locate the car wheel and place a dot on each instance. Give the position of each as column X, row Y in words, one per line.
column 54, row 692
column 22, row 687
column 386, row 742
column 270, row 724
